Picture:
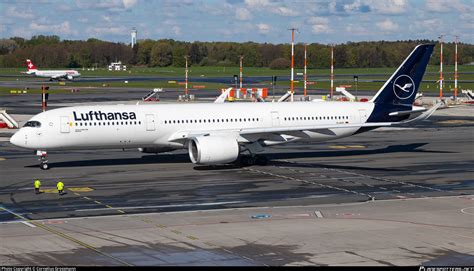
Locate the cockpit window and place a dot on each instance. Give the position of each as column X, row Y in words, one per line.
column 33, row 123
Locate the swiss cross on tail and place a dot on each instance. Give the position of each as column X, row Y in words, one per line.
column 30, row 65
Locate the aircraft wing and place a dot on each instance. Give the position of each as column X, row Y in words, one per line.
column 261, row 131
column 282, row 130
column 244, row 134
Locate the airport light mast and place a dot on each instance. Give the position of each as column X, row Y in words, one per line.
column 332, row 70
column 186, row 80
column 240, row 75
column 305, row 74
column 292, row 83
column 241, row 67
column 441, row 68
column 456, row 68
column 43, row 97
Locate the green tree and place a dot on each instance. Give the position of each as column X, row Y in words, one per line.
column 178, row 56
column 7, row 46
column 144, row 51
column 161, row 55
column 280, row 64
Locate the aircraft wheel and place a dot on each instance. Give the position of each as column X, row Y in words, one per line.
column 261, row 160
column 246, row 160
column 44, row 166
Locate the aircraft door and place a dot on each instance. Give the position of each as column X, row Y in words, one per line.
column 64, row 124
column 363, row 115
column 150, row 122
column 275, row 119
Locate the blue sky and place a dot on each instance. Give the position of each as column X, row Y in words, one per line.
column 321, row 21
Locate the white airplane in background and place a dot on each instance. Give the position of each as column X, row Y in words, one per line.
column 51, row 74
column 220, row 133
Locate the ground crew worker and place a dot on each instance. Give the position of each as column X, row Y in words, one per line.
column 37, row 186
column 60, row 187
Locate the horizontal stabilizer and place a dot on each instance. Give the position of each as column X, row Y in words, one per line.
column 408, row 112
column 425, row 115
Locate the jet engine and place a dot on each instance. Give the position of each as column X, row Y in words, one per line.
column 70, row 77
column 211, row 150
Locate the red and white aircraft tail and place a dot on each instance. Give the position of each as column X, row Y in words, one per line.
column 30, row 66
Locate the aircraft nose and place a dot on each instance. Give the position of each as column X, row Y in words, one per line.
column 16, row 139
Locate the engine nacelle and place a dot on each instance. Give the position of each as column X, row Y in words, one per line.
column 70, row 77
column 155, row 149
column 212, row 150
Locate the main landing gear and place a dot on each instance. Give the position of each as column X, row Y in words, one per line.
column 43, row 160
column 249, row 160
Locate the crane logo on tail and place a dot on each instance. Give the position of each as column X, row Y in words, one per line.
column 403, row 87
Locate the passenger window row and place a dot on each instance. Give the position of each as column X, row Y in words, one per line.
column 108, row 123
column 212, row 120
column 317, row 118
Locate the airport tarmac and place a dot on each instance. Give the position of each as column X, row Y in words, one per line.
column 393, row 196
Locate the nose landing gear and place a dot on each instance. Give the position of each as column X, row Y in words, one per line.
column 43, row 160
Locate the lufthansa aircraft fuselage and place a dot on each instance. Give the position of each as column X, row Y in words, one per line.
column 130, row 126
column 219, row 133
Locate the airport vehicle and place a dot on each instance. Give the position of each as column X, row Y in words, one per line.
column 220, row 133
column 51, row 74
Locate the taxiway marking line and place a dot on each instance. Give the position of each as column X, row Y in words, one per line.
column 312, row 182
column 465, row 197
column 162, row 206
column 100, row 203
column 373, row 177
column 466, row 212
column 192, row 237
column 333, row 178
column 65, row 236
column 28, row 224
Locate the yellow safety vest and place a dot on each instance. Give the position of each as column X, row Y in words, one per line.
column 60, row 186
column 37, row 184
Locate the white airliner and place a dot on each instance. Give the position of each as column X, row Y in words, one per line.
column 220, row 133
column 51, row 74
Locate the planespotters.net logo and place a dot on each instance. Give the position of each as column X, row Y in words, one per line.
column 445, row 268
column 403, row 87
